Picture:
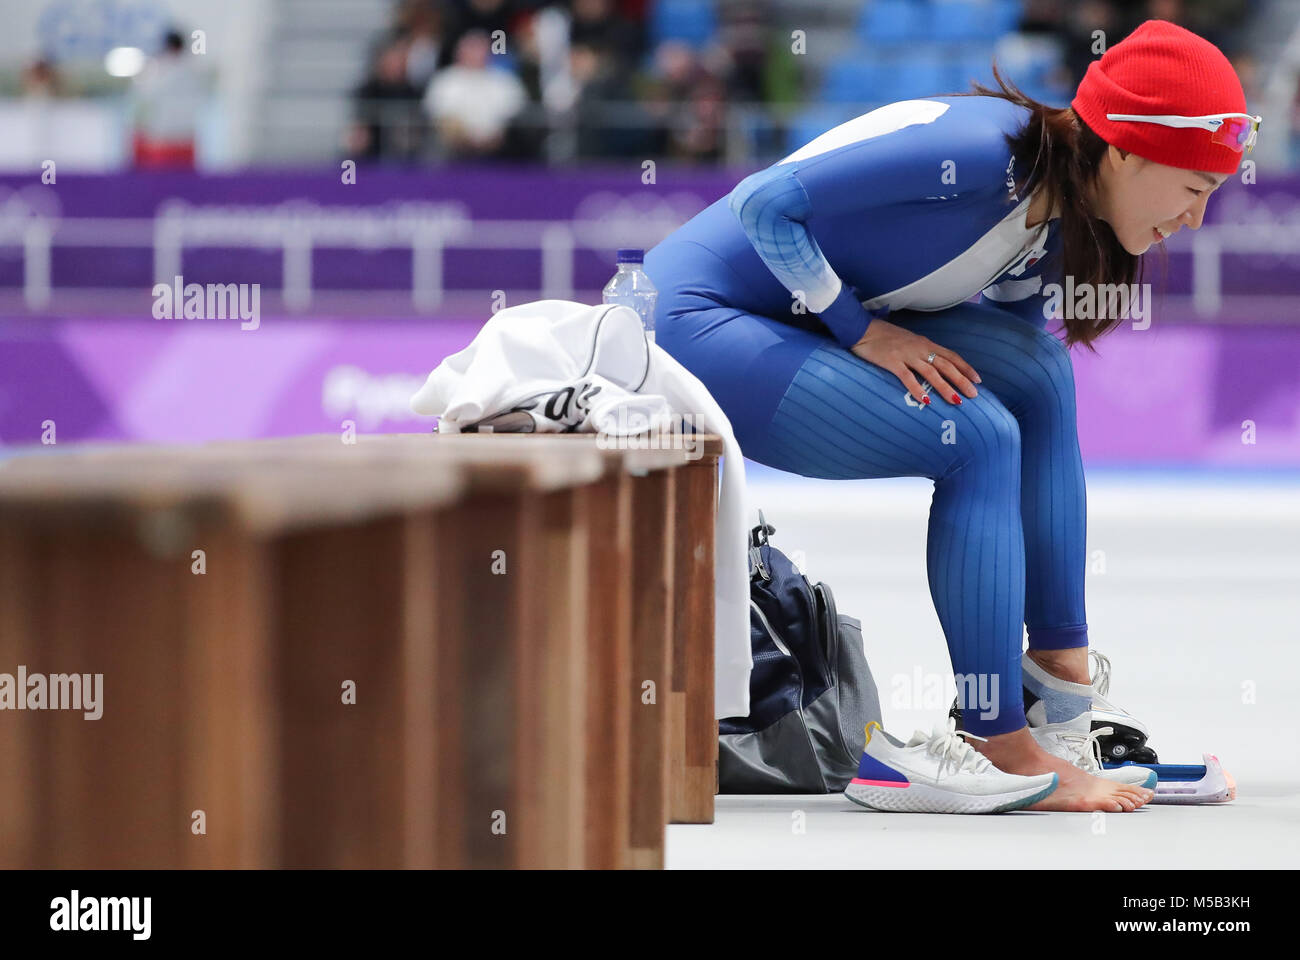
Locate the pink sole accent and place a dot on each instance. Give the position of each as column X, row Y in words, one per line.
column 881, row 783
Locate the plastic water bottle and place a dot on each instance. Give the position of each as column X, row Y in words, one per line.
column 631, row 287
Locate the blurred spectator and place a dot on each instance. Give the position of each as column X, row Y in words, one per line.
column 665, row 88
column 583, row 64
column 1078, row 33
column 488, row 16
column 388, row 122
column 682, row 77
column 472, row 102
column 422, row 23
column 1041, row 16
column 541, row 50
column 537, row 47
column 167, row 96
column 1218, row 21
column 41, row 80
column 676, row 67
column 597, row 25
column 698, row 135
column 1247, row 68
column 1171, row 10
column 611, row 121
column 744, row 37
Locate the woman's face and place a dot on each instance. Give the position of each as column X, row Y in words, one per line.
column 1144, row 201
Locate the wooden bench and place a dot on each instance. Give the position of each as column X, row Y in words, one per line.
column 526, row 622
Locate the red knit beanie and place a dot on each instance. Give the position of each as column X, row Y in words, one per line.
column 1161, row 68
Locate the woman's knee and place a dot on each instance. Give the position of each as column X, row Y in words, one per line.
column 980, row 433
column 1053, row 369
column 1021, row 361
column 1045, row 368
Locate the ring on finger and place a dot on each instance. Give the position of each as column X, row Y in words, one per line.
column 930, row 358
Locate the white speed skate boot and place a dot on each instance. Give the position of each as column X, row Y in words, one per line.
column 1060, row 719
column 938, row 773
column 1128, row 737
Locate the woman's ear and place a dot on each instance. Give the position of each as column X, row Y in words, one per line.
column 1123, row 158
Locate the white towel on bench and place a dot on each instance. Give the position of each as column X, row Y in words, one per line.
column 576, row 367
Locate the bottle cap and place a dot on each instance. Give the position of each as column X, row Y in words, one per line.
column 630, row 255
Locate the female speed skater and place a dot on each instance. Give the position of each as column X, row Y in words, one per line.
column 826, row 302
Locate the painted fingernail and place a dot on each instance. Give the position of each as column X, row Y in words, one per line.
column 956, row 399
column 925, row 399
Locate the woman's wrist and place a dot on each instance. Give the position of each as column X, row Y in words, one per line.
column 846, row 318
column 872, row 315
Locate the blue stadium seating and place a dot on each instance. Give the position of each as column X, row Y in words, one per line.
column 961, row 21
column 1029, row 66
column 972, row 63
column 865, row 75
column 973, row 20
column 912, row 48
column 943, row 21
column 855, row 77
column 811, row 123
column 921, row 72
column 893, row 22
column 694, row 22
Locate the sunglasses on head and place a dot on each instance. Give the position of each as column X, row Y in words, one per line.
column 1236, row 131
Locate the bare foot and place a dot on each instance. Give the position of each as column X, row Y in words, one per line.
column 1018, row 752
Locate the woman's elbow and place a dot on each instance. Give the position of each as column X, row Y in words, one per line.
column 774, row 188
column 742, row 196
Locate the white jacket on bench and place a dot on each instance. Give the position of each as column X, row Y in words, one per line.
column 576, row 367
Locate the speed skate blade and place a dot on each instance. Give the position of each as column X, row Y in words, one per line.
column 1205, row 782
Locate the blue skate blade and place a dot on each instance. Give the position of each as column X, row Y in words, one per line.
column 1172, row 772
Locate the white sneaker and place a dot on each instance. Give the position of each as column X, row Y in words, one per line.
column 938, row 773
column 1076, row 741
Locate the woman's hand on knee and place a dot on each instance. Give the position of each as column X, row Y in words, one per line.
column 904, row 354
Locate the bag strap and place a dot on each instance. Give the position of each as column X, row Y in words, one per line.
column 757, row 538
column 829, row 616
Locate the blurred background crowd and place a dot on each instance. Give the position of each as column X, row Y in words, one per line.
column 413, row 82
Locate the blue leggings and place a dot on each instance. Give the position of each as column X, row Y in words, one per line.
column 1006, row 541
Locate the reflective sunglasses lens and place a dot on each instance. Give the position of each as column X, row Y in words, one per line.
column 1234, row 133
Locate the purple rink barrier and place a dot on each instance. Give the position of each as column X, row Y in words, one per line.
column 472, row 228
column 424, row 242
column 1165, row 395
column 189, row 381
